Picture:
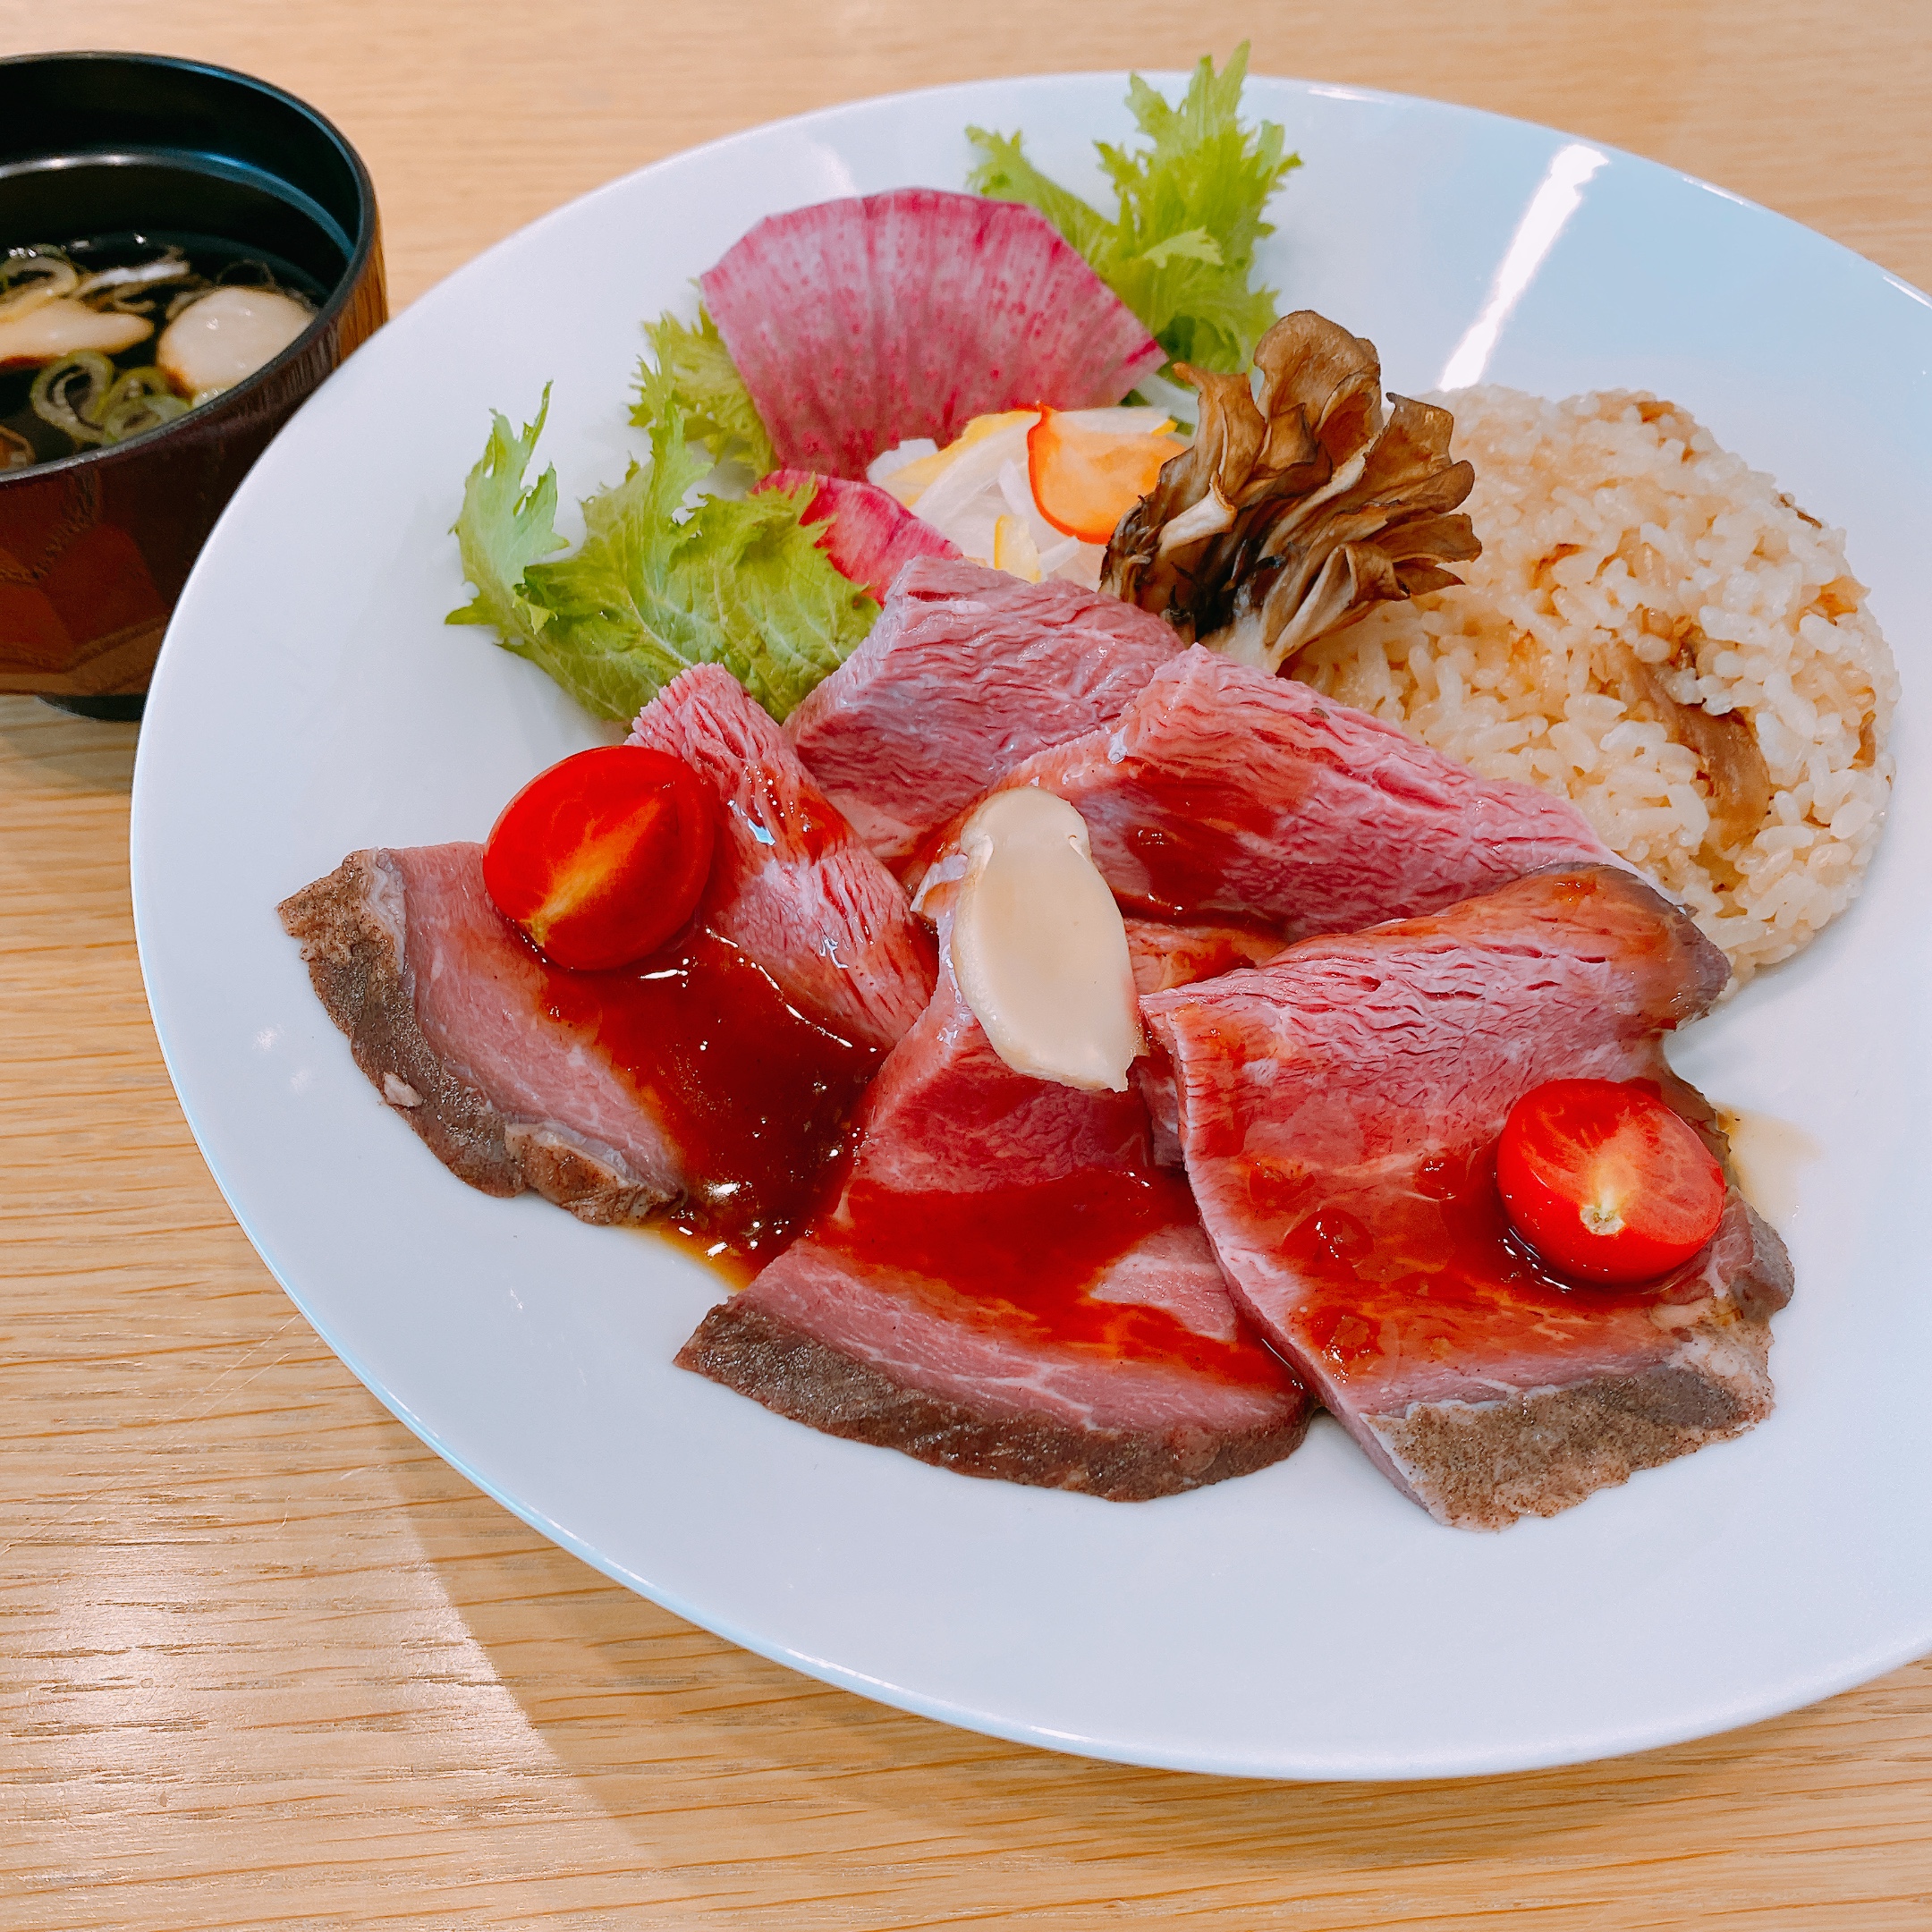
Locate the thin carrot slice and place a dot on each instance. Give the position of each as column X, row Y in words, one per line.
column 911, row 480
column 1086, row 480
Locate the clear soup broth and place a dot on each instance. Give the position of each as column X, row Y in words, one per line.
column 139, row 356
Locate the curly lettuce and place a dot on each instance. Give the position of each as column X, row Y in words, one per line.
column 1180, row 252
column 694, row 373
column 653, row 588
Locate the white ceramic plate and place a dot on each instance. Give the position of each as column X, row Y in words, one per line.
column 1305, row 1621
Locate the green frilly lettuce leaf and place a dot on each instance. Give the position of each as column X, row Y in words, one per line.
column 503, row 529
column 1180, row 252
column 694, row 373
column 653, row 588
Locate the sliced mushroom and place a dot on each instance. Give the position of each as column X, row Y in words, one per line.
column 1039, row 948
column 1724, row 745
column 1304, row 498
column 34, row 333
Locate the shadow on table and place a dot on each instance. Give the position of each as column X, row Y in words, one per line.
column 50, row 751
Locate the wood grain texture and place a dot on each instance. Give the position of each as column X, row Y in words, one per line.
column 264, row 1661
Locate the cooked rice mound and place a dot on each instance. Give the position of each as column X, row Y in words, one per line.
column 1631, row 571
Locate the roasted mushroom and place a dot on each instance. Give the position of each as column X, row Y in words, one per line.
column 1302, row 500
column 1725, row 744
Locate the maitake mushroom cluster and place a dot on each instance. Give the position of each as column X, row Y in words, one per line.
column 1302, row 500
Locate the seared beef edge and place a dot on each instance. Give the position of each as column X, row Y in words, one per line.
column 350, row 929
column 793, row 1374
column 1482, row 1465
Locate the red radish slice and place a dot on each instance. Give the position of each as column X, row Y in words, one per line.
column 860, row 324
column 871, row 533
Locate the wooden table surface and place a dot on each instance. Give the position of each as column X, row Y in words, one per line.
column 264, row 1661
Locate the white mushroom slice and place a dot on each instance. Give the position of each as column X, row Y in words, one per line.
column 46, row 331
column 226, row 335
column 1039, row 948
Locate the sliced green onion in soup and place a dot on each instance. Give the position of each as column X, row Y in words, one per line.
column 141, row 400
column 70, row 394
column 85, row 398
column 33, row 276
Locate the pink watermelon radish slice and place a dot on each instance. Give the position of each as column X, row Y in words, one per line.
column 871, row 534
column 861, row 322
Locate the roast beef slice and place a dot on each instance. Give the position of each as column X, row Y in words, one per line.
column 446, row 1007
column 791, row 884
column 897, row 1348
column 442, row 1005
column 1338, row 1110
column 967, row 671
column 1223, row 793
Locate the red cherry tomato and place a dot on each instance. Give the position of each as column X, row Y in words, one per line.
column 1606, row 1182
column 601, row 859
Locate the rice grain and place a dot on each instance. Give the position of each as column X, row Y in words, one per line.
column 1633, row 574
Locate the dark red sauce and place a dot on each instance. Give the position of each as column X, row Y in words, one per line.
column 1024, row 1258
column 756, row 1096
column 1181, row 835
column 1433, row 1251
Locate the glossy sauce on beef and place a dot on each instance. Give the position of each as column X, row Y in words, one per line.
column 1431, row 1250
column 1180, row 834
column 757, row 1095
column 1027, row 1257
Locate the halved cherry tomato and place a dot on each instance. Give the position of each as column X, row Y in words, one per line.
column 1606, row 1182
column 601, row 859
column 1086, row 480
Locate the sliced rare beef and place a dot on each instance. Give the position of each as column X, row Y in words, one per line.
column 1339, row 1111
column 444, row 1005
column 967, row 671
column 1007, row 1286
column 1227, row 793
column 718, row 1074
column 790, row 886
column 1166, row 957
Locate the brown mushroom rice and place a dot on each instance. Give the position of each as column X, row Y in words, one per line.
column 1640, row 591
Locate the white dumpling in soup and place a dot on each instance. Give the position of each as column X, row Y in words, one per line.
column 227, row 334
